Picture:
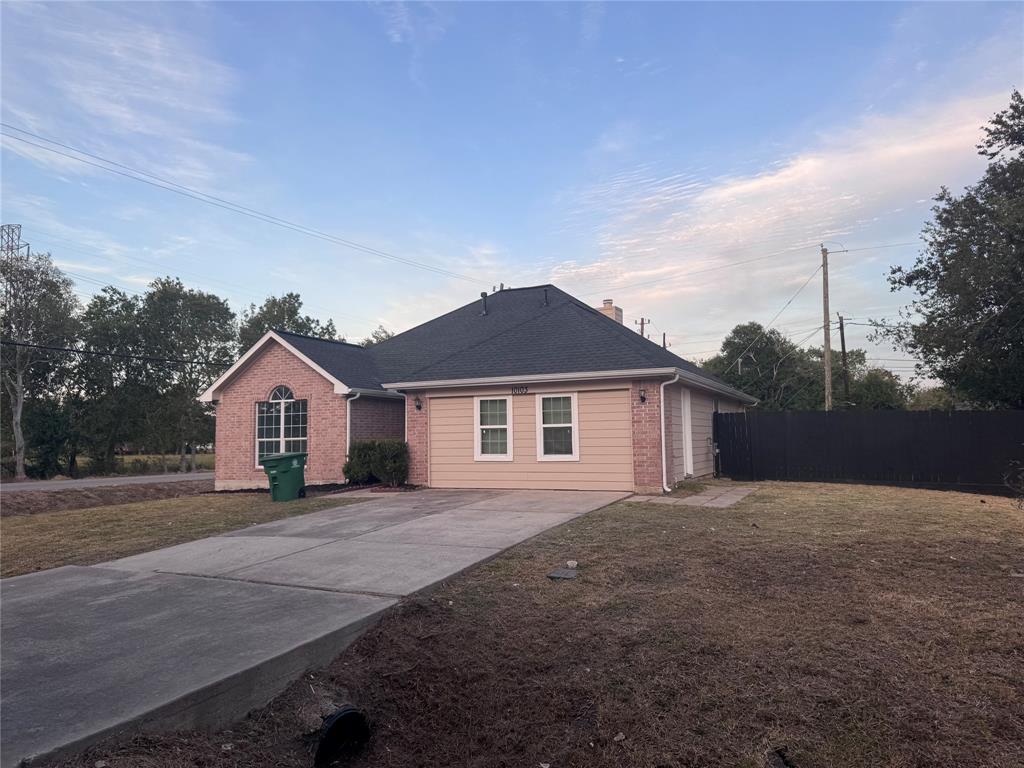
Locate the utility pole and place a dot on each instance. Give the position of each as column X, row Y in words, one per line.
column 827, row 351
column 664, row 340
column 846, row 368
column 642, row 322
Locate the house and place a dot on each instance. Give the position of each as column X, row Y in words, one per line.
column 523, row 388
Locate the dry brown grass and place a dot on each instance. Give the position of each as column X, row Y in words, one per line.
column 849, row 625
column 34, row 502
column 85, row 536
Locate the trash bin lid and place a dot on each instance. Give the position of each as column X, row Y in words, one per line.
column 282, row 460
column 280, row 456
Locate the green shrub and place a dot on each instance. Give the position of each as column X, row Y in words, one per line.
column 359, row 467
column 391, row 462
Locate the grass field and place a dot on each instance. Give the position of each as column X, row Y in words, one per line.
column 148, row 463
column 86, row 536
column 809, row 625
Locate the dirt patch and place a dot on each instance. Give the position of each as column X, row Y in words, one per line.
column 34, row 502
column 86, row 536
column 854, row 626
column 688, row 488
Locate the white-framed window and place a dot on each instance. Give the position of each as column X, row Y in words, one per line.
column 492, row 430
column 281, row 424
column 558, row 433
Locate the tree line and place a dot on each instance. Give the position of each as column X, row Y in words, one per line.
column 139, row 361
column 783, row 376
column 964, row 322
column 122, row 370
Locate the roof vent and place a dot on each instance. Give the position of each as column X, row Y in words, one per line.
column 483, row 302
column 545, row 297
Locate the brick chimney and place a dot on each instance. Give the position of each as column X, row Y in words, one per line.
column 609, row 309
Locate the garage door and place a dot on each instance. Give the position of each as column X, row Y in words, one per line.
column 605, row 451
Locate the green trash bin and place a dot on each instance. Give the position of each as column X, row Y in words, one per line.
column 287, row 474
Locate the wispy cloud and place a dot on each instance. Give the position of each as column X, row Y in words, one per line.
column 662, row 234
column 591, row 19
column 416, row 25
column 119, row 81
column 852, row 179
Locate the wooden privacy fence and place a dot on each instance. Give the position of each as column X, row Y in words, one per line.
column 968, row 450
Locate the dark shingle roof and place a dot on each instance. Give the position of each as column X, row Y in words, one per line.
column 519, row 336
column 349, row 363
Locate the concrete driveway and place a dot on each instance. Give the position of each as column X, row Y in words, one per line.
column 197, row 635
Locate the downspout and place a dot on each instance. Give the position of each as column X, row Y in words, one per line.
column 348, row 421
column 664, row 452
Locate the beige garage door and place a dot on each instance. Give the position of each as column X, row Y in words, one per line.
column 605, row 451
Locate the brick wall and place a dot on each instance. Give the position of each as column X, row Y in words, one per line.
column 647, row 459
column 416, row 436
column 378, row 417
column 236, row 420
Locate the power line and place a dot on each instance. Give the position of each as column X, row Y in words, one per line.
column 773, row 255
column 152, row 262
column 204, row 197
column 144, row 358
column 770, row 322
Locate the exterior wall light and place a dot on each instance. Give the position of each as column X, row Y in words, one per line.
column 643, row 395
column 418, row 403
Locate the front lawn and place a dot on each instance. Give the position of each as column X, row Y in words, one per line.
column 86, row 536
column 809, row 625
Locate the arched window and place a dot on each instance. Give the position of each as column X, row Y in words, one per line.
column 281, row 424
column 281, row 392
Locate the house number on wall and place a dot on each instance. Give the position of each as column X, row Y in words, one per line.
column 520, row 390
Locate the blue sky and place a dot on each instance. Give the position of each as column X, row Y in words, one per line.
column 598, row 146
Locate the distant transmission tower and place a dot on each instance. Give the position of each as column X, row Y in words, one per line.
column 10, row 240
column 11, row 248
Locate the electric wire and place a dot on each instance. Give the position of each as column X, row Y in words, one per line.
column 203, row 197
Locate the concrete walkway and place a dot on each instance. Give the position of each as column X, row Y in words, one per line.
column 717, row 498
column 27, row 486
column 197, row 635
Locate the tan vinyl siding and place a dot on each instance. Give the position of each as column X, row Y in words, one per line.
column 676, row 447
column 702, row 407
column 605, row 461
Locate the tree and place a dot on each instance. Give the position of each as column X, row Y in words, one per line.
column 878, row 389
column 115, row 388
column 857, row 366
column 377, row 335
column 282, row 313
column 197, row 331
column 38, row 309
column 933, row 399
column 783, row 376
column 968, row 280
column 767, row 365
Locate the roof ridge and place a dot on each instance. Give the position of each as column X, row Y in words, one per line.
column 492, row 337
column 634, row 338
column 464, row 306
column 318, row 338
column 470, row 303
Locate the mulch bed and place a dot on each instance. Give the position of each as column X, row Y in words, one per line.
column 35, row 502
column 395, row 489
column 809, row 625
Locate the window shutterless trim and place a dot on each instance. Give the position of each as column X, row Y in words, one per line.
column 539, row 407
column 281, row 439
column 477, row 426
